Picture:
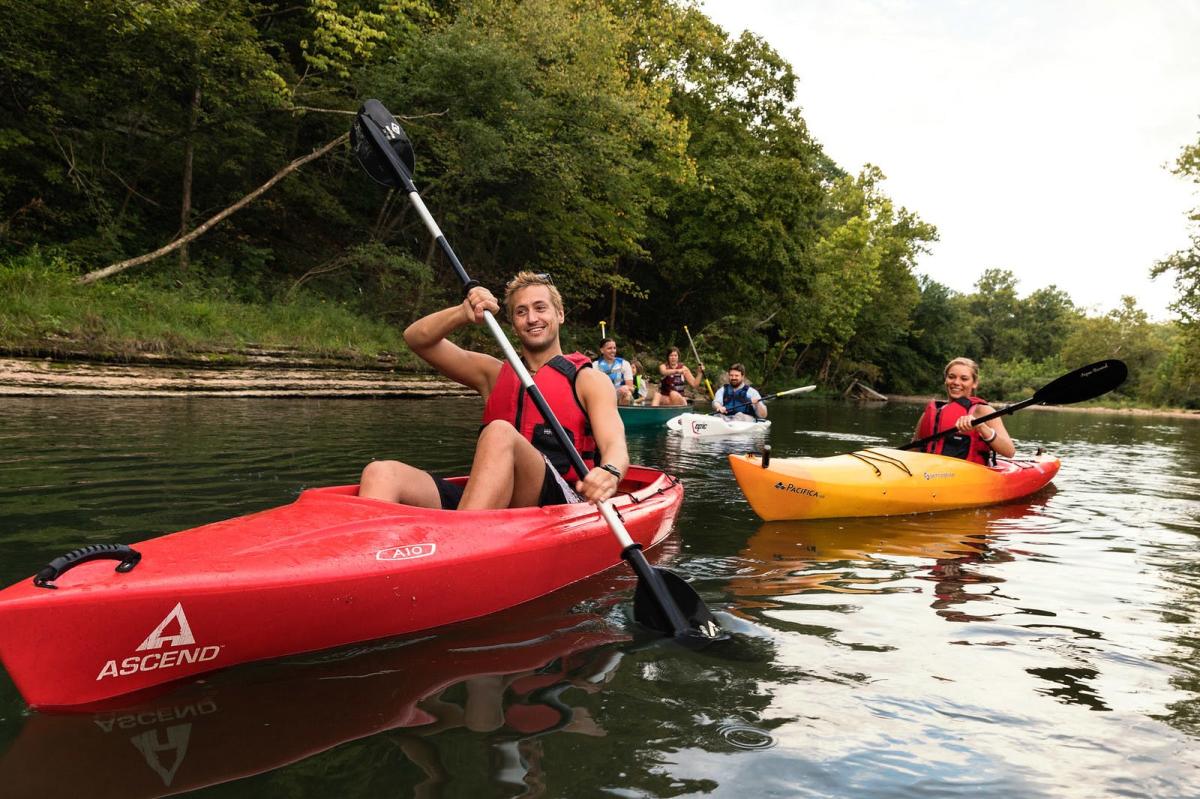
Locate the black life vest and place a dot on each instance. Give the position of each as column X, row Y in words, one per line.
column 942, row 415
column 556, row 380
column 737, row 400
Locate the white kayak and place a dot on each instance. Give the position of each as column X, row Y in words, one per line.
column 699, row 425
column 703, row 425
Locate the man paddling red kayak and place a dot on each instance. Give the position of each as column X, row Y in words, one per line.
column 518, row 461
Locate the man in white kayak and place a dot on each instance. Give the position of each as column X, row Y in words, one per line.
column 736, row 398
column 518, row 461
column 616, row 369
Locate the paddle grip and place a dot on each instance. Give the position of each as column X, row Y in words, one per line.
column 64, row 563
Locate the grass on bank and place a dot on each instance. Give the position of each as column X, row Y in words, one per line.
column 43, row 308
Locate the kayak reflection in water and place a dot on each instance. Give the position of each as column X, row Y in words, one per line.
column 955, row 584
column 515, row 468
column 977, row 444
column 735, row 399
column 515, row 711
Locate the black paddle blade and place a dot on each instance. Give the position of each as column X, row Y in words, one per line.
column 1085, row 383
column 702, row 625
column 366, row 147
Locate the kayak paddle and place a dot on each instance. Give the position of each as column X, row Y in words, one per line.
column 776, row 395
column 1085, row 383
column 663, row 601
column 699, row 363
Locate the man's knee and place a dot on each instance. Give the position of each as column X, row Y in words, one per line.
column 498, row 432
column 390, row 473
column 380, row 471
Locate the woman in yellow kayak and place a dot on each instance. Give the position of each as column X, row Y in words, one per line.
column 979, row 444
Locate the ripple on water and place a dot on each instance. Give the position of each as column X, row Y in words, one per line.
column 743, row 736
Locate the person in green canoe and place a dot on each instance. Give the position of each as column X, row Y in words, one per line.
column 674, row 375
column 518, row 461
column 616, row 369
column 979, row 444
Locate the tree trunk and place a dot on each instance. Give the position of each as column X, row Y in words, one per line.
column 120, row 266
column 612, row 310
column 185, row 204
column 826, row 366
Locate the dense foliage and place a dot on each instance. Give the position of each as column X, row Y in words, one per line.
column 658, row 167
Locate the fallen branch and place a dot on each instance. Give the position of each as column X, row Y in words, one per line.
column 120, row 266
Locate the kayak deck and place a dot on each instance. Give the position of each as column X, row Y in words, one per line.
column 330, row 569
column 882, row 482
column 707, row 425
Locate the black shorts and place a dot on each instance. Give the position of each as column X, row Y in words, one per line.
column 554, row 491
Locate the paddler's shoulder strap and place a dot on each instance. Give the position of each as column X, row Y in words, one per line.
column 569, row 365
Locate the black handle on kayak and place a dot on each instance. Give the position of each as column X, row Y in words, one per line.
column 56, row 568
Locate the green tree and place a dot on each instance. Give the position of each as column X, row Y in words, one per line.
column 536, row 147
column 1044, row 319
column 1185, row 264
column 898, row 236
column 1176, row 383
column 934, row 336
column 100, row 102
column 994, row 307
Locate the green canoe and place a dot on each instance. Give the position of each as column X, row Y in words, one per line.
column 646, row 417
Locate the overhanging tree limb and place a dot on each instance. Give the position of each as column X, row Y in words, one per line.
column 120, row 266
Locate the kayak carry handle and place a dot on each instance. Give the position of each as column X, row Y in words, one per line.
column 766, row 455
column 56, row 568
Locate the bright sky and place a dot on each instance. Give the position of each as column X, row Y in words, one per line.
column 1035, row 134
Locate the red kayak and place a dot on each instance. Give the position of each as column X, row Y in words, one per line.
column 254, row 720
column 330, row 569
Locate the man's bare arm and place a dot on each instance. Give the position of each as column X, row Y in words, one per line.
column 598, row 400
column 428, row 339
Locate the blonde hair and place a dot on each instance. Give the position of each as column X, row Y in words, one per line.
column 967, row 362
column 524, row 279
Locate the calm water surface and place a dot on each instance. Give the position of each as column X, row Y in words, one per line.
column 1043, row 648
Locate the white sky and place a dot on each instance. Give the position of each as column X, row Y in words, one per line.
column 1035, row 134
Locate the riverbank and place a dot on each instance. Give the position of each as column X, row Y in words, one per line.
column 278, row 373
column 1169, row 413
column 247, row 373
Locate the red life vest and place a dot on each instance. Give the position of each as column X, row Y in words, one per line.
column 942, row 415
column 556, row 380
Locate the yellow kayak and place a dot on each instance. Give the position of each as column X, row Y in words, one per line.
column 882, row 482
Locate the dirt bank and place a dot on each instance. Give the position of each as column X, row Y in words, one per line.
column 251, row 373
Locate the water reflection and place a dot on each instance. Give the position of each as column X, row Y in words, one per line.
column 879, row 555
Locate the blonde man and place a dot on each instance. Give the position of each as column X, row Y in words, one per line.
column 518, row 461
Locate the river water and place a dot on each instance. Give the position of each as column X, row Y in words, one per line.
column 1045, row 648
